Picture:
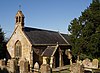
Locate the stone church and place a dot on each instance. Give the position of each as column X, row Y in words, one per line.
column 37, row 45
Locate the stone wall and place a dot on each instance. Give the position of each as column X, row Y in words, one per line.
column 26, row 45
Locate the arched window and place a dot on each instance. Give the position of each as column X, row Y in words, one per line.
column 19, row 19
column 22, row 19
column 16, row 19
column 18, row 49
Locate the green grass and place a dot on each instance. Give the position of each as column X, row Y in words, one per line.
column 65, row 71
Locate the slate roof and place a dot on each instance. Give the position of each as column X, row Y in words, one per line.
column 41, row 37
column 49, row 51
column 67, row 38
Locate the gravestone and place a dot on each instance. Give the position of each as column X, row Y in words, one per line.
column 12, row 65
column 95, row 63
column 36, row 67
column 76, row 68
column 45, row 68
column 87, row 64
column 2, row 62
column 23, row 64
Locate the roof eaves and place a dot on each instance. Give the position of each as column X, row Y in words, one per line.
column 64, row 39
column 50, row 44
column 55, row 50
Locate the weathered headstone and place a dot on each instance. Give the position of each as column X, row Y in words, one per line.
column 36, row 67
column 2, row 62
column 87, row 64
column 45, row 68
column 95, row 63
column 24, row 66
column 76, row 68
column 68, row 53
column 11, row 65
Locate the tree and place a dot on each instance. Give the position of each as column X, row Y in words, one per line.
column 85, row 32
column 2, row 44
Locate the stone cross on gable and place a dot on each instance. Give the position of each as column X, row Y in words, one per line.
column 19, row 7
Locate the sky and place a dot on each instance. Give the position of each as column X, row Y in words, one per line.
column 53, row 15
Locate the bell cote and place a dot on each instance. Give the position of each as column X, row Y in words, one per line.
column 19, row 19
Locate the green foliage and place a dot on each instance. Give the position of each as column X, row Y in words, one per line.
column 1, row 35
column 85, row 32
column 2, row 44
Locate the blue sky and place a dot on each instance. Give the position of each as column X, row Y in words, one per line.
column 53, row 15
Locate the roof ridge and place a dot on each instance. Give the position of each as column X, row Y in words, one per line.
column 43, row 29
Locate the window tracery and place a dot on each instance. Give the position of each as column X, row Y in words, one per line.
column 18, row 49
